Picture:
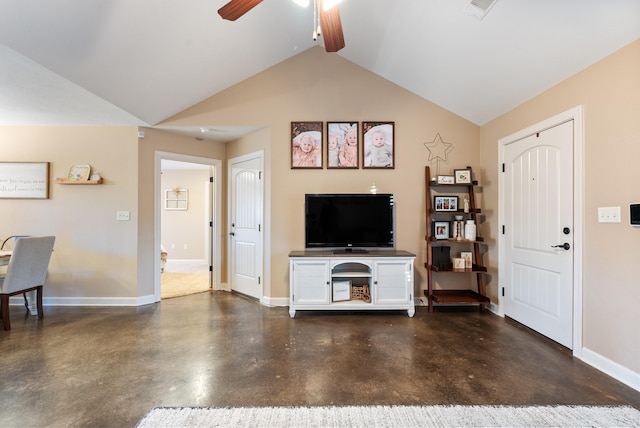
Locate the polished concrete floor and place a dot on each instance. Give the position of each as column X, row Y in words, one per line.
column 106, row 367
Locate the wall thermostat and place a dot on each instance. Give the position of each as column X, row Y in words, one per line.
column 634, row 214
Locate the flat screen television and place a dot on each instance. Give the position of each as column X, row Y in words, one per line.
column 349, row 222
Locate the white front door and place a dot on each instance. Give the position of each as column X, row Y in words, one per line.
column 245, row 226
column 538, row 232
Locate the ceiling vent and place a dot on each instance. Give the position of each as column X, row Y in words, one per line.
column 479, row 8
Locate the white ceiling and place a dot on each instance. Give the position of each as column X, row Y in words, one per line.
column 138, row 62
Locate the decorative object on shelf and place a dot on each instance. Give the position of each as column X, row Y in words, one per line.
column 341, row 290
column 458, row 229
column 466, row 204
column 441, row 258
column 79, row 173
column 441, row 229
column 468, row 259
column 445, row 203
column 306, row 145
column 458, row 263
column 176, row 199
column 438, row 151
column 361, row 292
column 446, row 179
column 378, row 145
column 463, row 176
column 373, row 190
column 470, row 231
column 342, row 145
column 24, row 180
column 95, row 176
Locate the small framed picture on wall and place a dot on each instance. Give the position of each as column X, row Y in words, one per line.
column 342, row 145
column 378, row 145
column 306, row 145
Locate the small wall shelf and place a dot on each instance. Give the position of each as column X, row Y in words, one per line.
column 65, row 181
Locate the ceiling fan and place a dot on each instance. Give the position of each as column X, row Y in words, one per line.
column 327, row 10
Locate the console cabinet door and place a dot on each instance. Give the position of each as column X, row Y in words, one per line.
column 393, row 281
column 311, row 282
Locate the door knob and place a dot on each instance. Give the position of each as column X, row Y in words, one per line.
column 566, row 246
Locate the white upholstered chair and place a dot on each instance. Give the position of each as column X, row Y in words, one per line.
column 26, row 272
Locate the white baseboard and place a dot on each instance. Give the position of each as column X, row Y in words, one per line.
column 90, row 301
column 275, row 301
column 611, row 368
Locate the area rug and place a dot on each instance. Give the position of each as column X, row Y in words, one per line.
column 394, row 416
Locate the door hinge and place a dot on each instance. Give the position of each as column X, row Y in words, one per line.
column 259, row 175
column 210, row 224
column 502, row 291
column 259, row 228
column 503, row 229
column 503, row 167
column 258, row 280
column 210, row 268
column 210, row 179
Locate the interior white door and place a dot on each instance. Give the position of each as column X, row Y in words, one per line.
column 245, row 234
column 538, row 232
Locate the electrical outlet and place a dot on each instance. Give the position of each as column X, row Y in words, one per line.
column 185, row 246
column 609, row 215
column 173, row 246
column 122, row 215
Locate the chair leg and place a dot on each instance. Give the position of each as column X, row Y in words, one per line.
column 26, row 301
column 39, row 302
column 4, row 304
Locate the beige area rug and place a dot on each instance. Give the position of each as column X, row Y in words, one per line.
column 175, row 284
column 394, row 416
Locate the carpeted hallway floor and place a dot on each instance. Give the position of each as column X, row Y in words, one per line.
column 107, row 366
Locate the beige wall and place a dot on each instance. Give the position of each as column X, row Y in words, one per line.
column 94, row 259
column 610, row 94
column 185, row 227
column 316, row 86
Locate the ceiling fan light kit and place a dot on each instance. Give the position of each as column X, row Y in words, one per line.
column 328, row 25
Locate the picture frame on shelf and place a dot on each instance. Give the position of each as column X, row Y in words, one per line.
column 306, row 145
column 441, row 230
column 445, row 179
column 462, row 176
column 378, row 145
column 445, row 203
column 343, row 145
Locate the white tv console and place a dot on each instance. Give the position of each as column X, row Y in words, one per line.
column 317, row 280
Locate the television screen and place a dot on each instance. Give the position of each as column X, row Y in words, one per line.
column 348, row 221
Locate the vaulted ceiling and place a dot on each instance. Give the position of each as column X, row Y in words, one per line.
column 138, row 62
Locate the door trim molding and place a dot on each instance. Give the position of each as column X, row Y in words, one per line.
column 216, row 164
column 575, row 114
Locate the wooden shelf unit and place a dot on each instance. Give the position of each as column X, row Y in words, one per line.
column 444, row 296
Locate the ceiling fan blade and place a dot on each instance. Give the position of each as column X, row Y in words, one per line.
column 331, row 28
column 236, row 8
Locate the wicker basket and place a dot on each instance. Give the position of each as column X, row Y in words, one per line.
column 361, row 292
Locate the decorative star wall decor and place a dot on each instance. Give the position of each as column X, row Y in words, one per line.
column 438, row 151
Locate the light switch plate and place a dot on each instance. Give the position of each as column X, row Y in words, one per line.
column 122, row 215
column 609, row 215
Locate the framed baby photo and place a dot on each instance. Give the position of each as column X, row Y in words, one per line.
column 378, row 145
column 343, row 145
column 306, row 145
